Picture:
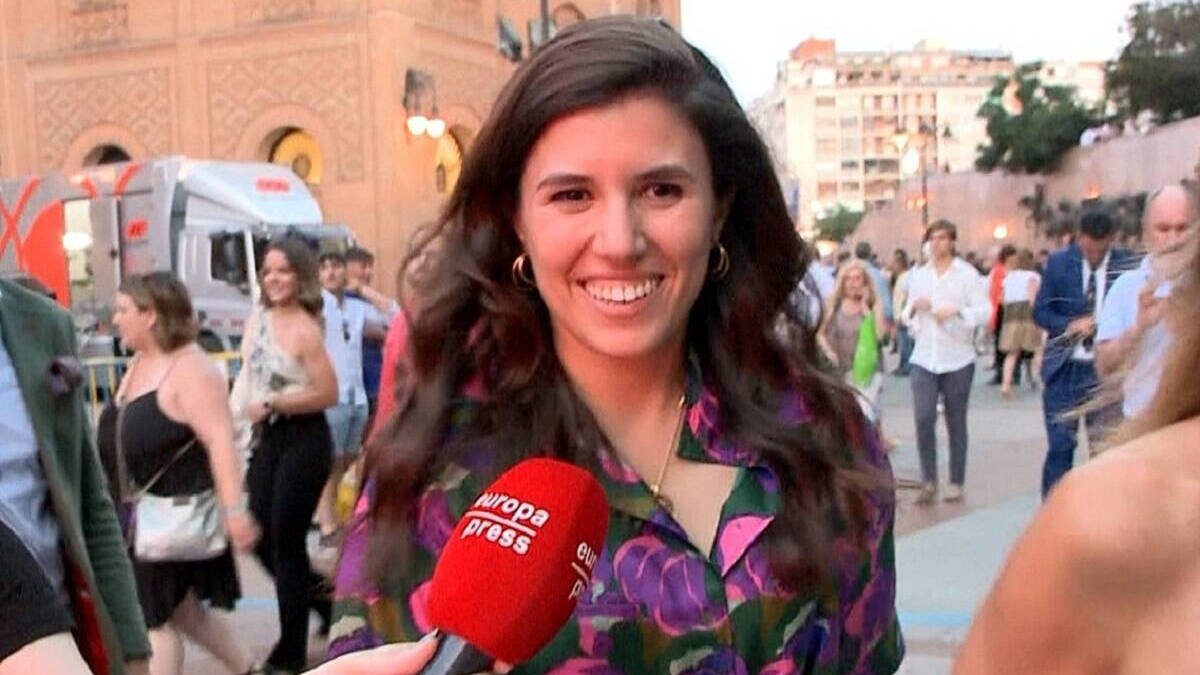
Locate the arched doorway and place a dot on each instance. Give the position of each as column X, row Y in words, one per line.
column 296, row 149
column 108, row 153
column 448, row 159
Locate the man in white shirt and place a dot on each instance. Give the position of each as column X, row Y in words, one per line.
column 946, row 302
column 345, row 320
column 1073, row 292
column 1131, row 317
column 381, row 309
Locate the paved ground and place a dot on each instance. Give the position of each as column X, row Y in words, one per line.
column 948, row 555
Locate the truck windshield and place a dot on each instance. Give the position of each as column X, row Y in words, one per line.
column 228, row 260
column 334, row 242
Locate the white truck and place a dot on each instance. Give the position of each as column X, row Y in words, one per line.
column 207, row 222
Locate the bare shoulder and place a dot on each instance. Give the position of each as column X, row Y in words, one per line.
column 1134, row 512
column 196, row 366
column 309, row 331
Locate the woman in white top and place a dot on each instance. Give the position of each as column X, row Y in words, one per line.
column 285, row 384
column 1020, row 335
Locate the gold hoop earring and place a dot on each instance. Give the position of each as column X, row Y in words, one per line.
column 522, row 277
column 718, row 271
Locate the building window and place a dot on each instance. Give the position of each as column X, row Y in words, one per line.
column 826, row 101
column 299, row 151
column 106, row 154
column 849, row 165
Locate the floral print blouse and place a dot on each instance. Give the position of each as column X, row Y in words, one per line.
column 657, row 604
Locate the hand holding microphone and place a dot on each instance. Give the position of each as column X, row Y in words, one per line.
column 402, row 658
column 405, row 658
column 508, row 578
column 516, row 565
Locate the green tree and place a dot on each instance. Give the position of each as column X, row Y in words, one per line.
column 1159, row 70
column 839, row 223
column 1030, row 125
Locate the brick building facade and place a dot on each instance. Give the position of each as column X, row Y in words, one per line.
column 325, row 86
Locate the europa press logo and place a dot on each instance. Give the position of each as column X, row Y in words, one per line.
column 505, row 521
column 513, row 524
column 584, row 563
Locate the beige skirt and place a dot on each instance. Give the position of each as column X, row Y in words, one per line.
column 1019, row 332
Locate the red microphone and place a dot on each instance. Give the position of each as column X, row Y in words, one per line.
column 515, row 567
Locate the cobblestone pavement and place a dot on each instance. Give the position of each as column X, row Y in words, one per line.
column 947, row 554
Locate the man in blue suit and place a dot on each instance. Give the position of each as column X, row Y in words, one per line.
column 1068, row 303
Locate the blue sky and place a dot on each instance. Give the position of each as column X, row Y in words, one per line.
column 747, row 38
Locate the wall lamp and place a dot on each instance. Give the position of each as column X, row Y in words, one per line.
column 420, row 102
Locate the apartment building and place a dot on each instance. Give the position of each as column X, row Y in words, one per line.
column 833, row 118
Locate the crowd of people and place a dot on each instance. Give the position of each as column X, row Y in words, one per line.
column 640, row 307
column 298, row 410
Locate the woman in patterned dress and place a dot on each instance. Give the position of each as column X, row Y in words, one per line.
column 613, row 263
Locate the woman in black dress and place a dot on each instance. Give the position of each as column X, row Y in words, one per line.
column 173, row 393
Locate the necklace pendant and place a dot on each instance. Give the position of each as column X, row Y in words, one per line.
column 662, row 500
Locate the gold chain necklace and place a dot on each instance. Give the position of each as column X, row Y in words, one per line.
column 672, row 448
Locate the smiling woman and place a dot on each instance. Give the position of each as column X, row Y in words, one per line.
column 610, row 273
column 619, row 232
column 282, row 390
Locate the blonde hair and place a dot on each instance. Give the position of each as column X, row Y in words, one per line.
column 843, row 275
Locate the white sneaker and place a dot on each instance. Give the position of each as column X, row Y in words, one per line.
column 928, row 493
column 954, row 493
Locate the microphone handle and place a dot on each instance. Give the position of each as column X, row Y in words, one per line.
column 456, row 656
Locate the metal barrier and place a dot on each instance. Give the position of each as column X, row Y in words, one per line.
column 103, row 375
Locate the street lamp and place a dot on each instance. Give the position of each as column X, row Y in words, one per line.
column 901, row 139
column 420, row 104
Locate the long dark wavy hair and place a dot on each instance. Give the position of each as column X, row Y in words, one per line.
column 303, row 262
column 475, row 322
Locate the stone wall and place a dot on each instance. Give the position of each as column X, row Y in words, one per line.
column 981, row 203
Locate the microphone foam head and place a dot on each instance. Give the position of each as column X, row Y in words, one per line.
column 520, row 558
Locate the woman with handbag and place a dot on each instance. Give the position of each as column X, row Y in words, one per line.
column 170, row 434
column 285, row 384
